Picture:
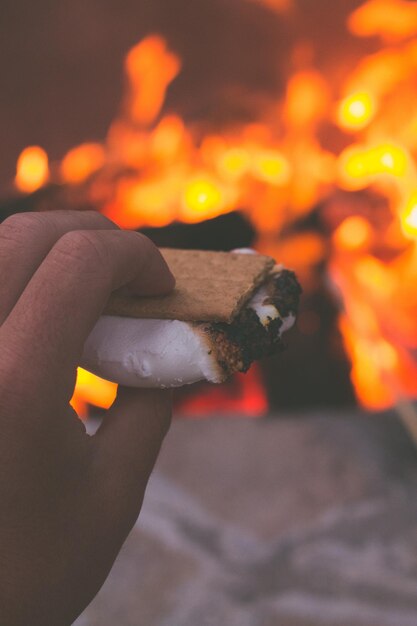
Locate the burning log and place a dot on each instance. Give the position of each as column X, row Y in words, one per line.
column 225, row 232
column 52, row 197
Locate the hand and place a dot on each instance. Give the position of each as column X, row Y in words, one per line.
column 67, row 500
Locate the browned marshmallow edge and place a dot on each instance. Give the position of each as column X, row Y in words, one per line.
column 237, row 345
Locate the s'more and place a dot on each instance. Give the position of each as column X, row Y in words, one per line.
column 228, row 309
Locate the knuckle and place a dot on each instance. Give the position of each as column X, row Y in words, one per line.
column 21, row 225
column 144, row 248
column 102, row 220
column 145, row 243
column 83, row 250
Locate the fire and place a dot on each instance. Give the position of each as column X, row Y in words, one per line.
column 356, row 111
column 82, row 161
column 390, row 19
column 409, row 217
column 168, row 138
column 246, row 398
column 307, row 99
column 150, row 68
column 360, row 166
column 354, row 233
column 91, row 389
column 32, row 170
column 148, row 202
column 272, row 167
column 203, row 199
column 234, row 163
column 324, row 143
column 374, row 275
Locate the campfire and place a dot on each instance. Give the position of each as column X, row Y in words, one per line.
column 325, row 174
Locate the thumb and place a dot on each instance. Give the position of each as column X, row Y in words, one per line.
column 128, row 442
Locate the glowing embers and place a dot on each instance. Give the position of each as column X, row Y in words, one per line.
column 203, row 198
column 148, row 201
column 392, row 20
column 354, row 233
column 32, row 170
column 360, row 165
column 374, row 281
column 244, row 395
column 150, row 68
column 356, row 111
column 383, row 373
column 272, row 167
column 307, row 99
column 82, row 161
column 234, row 163
column 409, row 216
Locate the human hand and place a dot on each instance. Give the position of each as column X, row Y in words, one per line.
column 67, row 500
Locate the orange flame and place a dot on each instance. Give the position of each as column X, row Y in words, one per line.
column 32, row 169
column 356, row 111
column 354, row 233
column 79, row 163
column 409, row 217
column 307, row 99
column 91, row 389
column 392, row 20
column 359, row 166
column 150, row 68
column 320, row 138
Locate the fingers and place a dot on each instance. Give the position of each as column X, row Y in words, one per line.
column 26, row 239
column 127, row 446
column 47, row 328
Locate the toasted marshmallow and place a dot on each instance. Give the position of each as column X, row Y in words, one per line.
column 149, row 353
column 170, row 353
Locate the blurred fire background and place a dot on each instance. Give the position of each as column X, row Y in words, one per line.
column 287, row 125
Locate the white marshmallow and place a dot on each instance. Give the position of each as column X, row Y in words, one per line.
column 149, row 353
column 161, row 353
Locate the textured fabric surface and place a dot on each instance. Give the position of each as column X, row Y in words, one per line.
column 291, row 522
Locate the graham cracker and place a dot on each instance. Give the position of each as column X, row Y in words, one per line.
column 211, row 287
